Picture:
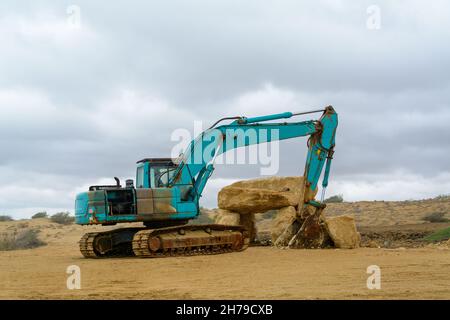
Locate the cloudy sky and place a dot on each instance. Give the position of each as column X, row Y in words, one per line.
column 88, row 88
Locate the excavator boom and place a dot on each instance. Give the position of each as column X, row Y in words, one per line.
column 196, row 161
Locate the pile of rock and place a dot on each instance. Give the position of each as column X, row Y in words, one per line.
column 240, row 201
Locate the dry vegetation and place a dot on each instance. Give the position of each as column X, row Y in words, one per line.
column 62, row 218
column 391, row 213
column 21, row 239
column 4, row 218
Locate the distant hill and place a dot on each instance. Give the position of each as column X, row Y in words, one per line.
column 378, row 213
column 389, row 213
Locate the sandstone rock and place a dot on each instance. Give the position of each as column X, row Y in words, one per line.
column 290, row 187
column 282, row 220
column 261, row 195
column 342, row 230
column 230, row 218
column 227, row 217
column 248, row 200
column 248, row 222
column 373, row 244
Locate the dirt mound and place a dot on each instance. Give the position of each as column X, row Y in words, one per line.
column 409, row 236
column 390, row 213
column 393, row 239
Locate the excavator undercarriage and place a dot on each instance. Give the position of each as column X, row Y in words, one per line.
column 186, row 240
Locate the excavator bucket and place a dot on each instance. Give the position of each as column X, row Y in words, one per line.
column 311, row 233
column 306, row 231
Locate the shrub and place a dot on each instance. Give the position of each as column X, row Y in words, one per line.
column 335, row 199
column 4, row 218
column 435, row 217
column 23, row 225
column 25, row 239
column 42, row 214
column 62, row 218
column 440, row 235
column 442, row 197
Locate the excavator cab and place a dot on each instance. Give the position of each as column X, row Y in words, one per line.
column 154, row 172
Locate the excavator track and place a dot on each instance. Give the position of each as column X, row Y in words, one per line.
column 107, row 243
column 87, row 245
column 185, row 240
column 189, row 240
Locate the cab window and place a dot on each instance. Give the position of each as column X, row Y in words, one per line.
column 162, row 176
column 140, row 177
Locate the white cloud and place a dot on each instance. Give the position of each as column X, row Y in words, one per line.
column 47, row 27
column 133, row 114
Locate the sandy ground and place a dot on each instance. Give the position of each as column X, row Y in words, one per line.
column 257, row 273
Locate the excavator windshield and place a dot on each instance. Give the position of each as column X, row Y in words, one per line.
column 162, row 175
column 154, row 172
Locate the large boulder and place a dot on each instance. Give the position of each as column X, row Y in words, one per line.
column 230, row 218
column 290, row 186
column 343, row 233
column 226, row 217
column 247, row 200
column 248, row 222
column 261, row 195
column 282, row 220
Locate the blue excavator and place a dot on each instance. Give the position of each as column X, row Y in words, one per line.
column 166, row 192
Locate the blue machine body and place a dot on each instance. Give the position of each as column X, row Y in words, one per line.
column 169, row 190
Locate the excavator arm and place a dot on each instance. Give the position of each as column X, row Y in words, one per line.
column 195, row 165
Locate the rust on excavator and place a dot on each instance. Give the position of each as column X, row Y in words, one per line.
column 189, row 240
column 186, row 240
